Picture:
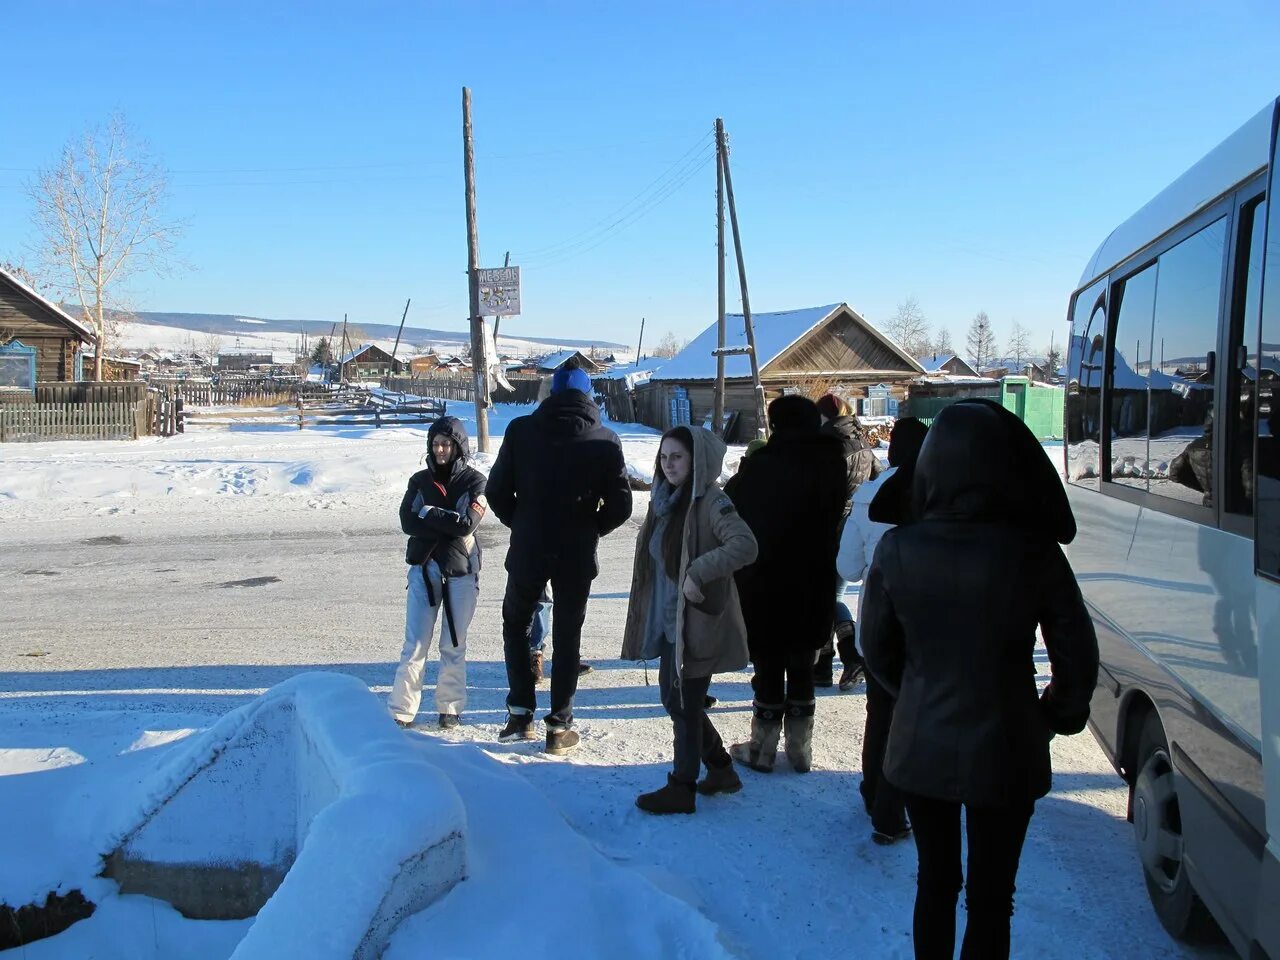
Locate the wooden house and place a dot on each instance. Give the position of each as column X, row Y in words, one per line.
column 39, row 341
column 549, row 365
column 368, row 362
column 946, row 364
column 807, row 350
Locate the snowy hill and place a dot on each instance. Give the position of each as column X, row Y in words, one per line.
column 167, row 330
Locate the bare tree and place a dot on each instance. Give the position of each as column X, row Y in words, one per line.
column 20, row 273
column 942, row 345
column 668, row 346
column 1019, row 344
column 100, row 218
column 210, row 346
column 981, row 341
column 909, row 327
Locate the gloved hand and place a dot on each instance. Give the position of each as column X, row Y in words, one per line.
column 692, row 592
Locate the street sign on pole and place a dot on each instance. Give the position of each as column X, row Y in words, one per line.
column 499, row 291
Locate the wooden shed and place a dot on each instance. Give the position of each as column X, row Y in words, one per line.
column 805, row 350
column 39, row 341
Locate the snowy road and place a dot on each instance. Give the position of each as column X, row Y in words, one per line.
column 118, row 625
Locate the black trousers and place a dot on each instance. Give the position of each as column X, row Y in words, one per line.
column 995, row 837
column 696, row 740
column 569, row 610
column 783, row 674
column 882, row 798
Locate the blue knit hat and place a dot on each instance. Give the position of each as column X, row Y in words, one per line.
column 570, row 379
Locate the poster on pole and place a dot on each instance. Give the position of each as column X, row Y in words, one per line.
column 499, row 291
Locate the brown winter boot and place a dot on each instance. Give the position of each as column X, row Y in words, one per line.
column 675, row 797
column 535, row 662
column 799, row 727
column 759, row 752
column 720, row 780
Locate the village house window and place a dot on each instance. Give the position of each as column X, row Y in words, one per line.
column 17, row 366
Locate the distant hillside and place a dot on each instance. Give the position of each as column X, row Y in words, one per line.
column 229, row 325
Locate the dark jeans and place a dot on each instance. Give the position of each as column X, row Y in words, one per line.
column 883, row 799
column 995, row 844
column 783, row 675
column 696, row 739
column 569, row 609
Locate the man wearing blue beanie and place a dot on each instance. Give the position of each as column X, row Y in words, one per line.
column 560, row 483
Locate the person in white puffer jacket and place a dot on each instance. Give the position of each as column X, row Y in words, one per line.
column 857, row 546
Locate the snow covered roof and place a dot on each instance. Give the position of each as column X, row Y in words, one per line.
column 349, row 357
column 554, row 361
column 775, row 332
column 85, row 332
column 1244, row 152
column 934, row 362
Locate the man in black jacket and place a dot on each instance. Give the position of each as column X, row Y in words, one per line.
column 791, row 494
column 440, row 511
column 560, row 483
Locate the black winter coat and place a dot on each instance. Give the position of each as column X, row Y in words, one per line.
column 950, row 609
column 446, row 534
column 560, row 483
column 861, row 464
column 792, row 494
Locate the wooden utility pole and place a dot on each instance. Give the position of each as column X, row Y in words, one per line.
column 398, row 332
column 641, row 341
column 762, row 422
column 342, row 347
column 479, row 363
column 717, row 410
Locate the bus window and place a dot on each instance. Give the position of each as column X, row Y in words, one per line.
column 1185, row 334
column 1267, row 493
column 1084, row 385
column 1126, row 459
column 1242, row 366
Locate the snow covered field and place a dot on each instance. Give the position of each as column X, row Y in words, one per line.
column 149, row 587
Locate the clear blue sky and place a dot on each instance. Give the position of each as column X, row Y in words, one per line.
column 971, row 158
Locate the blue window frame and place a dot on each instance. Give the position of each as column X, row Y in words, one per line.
column 18, row 365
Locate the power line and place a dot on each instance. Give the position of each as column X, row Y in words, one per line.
column 673, row 171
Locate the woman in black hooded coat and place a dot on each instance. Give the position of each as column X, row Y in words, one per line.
column 950, row 612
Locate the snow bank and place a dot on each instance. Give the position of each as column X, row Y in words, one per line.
column 311, row 783
column 587, row 905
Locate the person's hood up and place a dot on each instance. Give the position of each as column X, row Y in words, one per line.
column 568, row 413
column 980, row 462
column 708, row 460
column 454, row 429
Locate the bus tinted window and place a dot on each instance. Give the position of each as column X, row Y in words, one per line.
column 1132, row 307
column 1242, row 387
column 1188, row 299
column 1084, row 385
column 1267, row 501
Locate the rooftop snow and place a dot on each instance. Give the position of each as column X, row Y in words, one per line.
column 774, row 333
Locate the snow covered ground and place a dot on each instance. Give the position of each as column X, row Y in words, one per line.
column 149, row 587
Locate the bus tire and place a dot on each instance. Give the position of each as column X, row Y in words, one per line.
column 1157, row 829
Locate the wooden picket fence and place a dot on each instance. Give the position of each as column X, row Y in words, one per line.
column 462, row 387
column 112, row 420
column 305, row 415
column 232, row 390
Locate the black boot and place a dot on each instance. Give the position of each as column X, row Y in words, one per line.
column 675, row 797
column 854, row 668
column 723, row 779
column 823, row 668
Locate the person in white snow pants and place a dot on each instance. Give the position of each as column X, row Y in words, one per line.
column 419, row 626
column 440, row 511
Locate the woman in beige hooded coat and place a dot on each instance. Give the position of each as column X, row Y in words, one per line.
column 684, row 607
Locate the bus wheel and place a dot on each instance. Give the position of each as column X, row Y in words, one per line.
column 1157, row 829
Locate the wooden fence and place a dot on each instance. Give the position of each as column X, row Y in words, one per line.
column 88, row 391
column 462, row 387
column 229, row 390
column 305, row 415
column 112, row 420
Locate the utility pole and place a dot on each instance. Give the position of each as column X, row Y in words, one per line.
column 342, row 367
column 398, row 332
column 479, row 363
column 717, row 409
column 506, row 262
column 762, row 422
column 641, row 341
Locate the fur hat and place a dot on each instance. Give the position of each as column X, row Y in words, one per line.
column 831, row 406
